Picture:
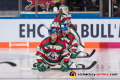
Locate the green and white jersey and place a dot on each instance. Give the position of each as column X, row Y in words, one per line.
column 69, row 40
column 61, row 19
column 51, row 53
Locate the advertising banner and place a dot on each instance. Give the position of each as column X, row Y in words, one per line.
column 25, row 33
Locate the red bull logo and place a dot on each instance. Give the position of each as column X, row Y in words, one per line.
column 42, row 3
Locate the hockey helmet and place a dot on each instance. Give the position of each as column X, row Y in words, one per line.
column 64, row 28
column 52, row 30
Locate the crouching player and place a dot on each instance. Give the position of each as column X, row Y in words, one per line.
column 71, row 43
column 52, row 51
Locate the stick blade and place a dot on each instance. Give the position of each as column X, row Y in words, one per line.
column 93, row 64
column 92, row 52
column 88, row 55
column 10, row 63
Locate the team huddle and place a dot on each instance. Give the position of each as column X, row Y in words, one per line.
column 61, row 45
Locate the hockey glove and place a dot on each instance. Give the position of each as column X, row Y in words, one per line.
column 74, row 55
column 41, row 67
column 64, row 66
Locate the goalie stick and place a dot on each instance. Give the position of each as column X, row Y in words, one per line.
column 83, row 68
column 7, row 62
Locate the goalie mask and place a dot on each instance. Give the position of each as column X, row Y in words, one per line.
column 63, row 8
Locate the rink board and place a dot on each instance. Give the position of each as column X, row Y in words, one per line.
column 29, row 32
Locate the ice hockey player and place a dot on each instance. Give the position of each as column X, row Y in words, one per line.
column 71, row 43
column 64, row 17
column 52, row 51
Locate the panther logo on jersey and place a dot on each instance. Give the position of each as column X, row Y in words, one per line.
column 53, row 55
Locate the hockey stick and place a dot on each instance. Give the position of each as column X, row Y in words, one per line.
column 83, row 68
column 44, row 25
column 10, row 63
column 88, row 55
column 35, row 64
column 78, row 68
